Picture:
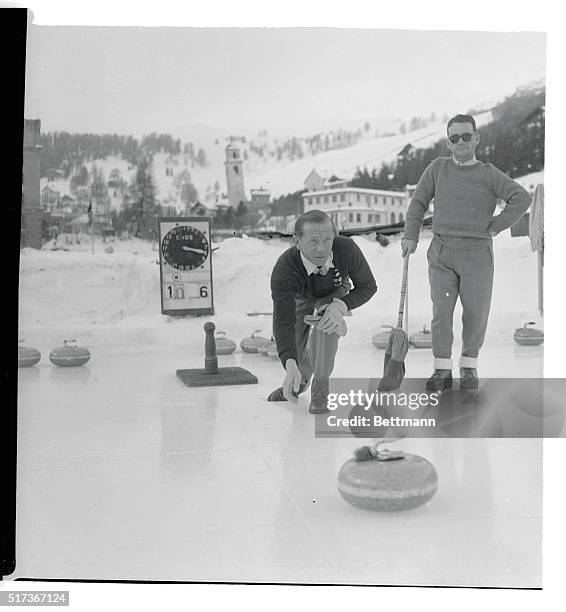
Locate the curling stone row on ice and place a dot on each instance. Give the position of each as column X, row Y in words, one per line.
column 260, row 344
column 528, row 336
column 252, row 344
column 68, row 355
column 421, row 339
column 386, row 481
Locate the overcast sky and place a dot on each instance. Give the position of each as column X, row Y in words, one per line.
column 136, row 80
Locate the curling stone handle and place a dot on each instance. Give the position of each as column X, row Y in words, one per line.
column 67, row 342
column 529, row 323
column 210, row 359
column 385, row 454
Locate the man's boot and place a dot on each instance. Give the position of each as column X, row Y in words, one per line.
column 277, row 395
column 440, row 380
column 319, row 396
column 469, row 378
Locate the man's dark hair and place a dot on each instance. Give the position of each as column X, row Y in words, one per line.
column 312, row 216
column 461, row 119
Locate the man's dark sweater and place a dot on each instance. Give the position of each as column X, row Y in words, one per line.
column 289, row 281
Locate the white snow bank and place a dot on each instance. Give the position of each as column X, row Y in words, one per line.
column 113, row 299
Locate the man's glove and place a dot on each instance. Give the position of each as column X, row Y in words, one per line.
column 332, row 321
column 408, row 247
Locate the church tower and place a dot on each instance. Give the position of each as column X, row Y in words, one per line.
column 234, row 176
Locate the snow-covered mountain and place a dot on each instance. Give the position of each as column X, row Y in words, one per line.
column 280, row 177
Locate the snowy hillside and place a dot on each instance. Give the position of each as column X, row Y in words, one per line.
column 280, row 177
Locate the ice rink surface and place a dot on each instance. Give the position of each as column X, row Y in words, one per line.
column 125, row 473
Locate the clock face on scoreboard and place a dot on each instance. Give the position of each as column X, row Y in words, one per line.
column 185, row 254
column 185, row 248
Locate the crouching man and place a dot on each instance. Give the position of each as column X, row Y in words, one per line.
column 315, row 273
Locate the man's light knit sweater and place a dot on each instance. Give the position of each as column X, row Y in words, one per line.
column 465, row 198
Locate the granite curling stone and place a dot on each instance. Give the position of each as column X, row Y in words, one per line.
column 69, row 355
column 224, row 346
column 388, row 481
column 28, row 356
column 528, row 336
column 273, row 353
column 266, row 347
column 250, row 344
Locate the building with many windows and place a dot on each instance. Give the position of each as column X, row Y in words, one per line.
column 352, row 207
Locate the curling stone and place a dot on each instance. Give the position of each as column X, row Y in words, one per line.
column 27, row 356
column 421, row 339
column 381, row 340
column 265, row 347
column 387, row 480
column 528, row 336
column 224, row 346
column 69, row 355
column 251, row 343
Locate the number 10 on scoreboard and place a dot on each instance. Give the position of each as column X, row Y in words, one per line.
column 185, row 265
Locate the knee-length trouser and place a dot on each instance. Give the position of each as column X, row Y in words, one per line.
column 467, row 273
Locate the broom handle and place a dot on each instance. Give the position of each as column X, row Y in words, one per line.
column 403, row 292
column 407, row 307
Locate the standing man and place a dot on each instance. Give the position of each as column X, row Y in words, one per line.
column 315, row 273
column 460, row 256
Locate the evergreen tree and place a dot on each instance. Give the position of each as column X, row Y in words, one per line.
column 99, row 190
column 241, row 215
column 80, row 179
column 229, row 217
column 188, row 194
column 144, row 208
column 241, row 209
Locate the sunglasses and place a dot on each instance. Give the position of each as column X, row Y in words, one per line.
column 455, row 138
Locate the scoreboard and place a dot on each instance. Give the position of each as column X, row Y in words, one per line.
column 185, row 257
